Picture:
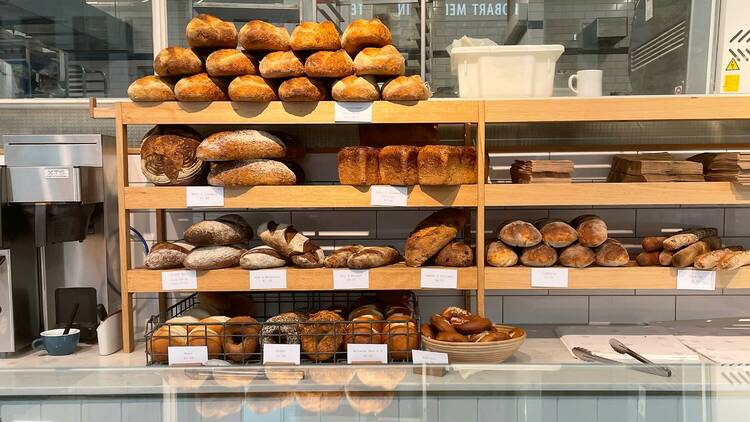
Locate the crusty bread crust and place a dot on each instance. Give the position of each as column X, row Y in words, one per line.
column 151, row 88
column 382, row 61
column 281, row 64
column 201, row 87
column 356, row 88
column 177, row 61
column 231, row 62
column 255, row 172
column 257, row 35
column 362, row 33
column 358, row 166
column 240, row 145
column 206, row 31
column 302, row 89
column 315, row 36
column 252, row 88
column 329, row 64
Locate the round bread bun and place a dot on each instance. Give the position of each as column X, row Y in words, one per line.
column 402, row 338
column 163, row 337
column 202, row 336
column 252, row 88
column 206, row 31
column 381, row 377
column 231, row 62
column 330, row 375
column 200, row 87
column 281, row 64
column 406, row 88
column 302, row 89
column 177, row 62
column 258, row 35
column 313, row 36
column 369, row 402
column 284, row 376
column 319, row 402
column 329, row 64
column 362, row 33
column 356, row 88
column 382, row 61
column 263, row 403
column 218, row 406
column 151, row 88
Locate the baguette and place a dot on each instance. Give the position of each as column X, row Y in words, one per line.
column 711, row 259
column 665, row 258
column 647, row 259
column 540, row 255
column 556, row 233
column 500, row 255
column 592, row 230
column 653, row 243
column 687, row 237
column 612, row 253
column 520, row 233
column 734, row 260
column 686, row 256
column 576, row 256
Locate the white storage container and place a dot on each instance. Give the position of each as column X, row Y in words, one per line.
column 505, row 71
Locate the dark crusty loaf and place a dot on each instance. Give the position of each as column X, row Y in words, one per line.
column 649, row 259
column 313, row 36
column 653, row 243
column 540, row 255
column 455, row 254
column 432, row 234
column 373, row 256
column 339, row 257
column 213, row 257
column 501, row 255
column 206, row 31
column 406, row 88
column 447, row 165
column 329, row 64
column 151, row 88
column 231, row 62
column 576, row 256
column 592, row 230
column 252, row 88
column 358, row 166
column 612, row 253
column 556, row 233
column 201, row 87
column 281, row 64
column 177, row 62
column 356, row 88
column 261, row 257
column 165, row 255
column 313, row 258
column 168, row 156
column 302, row 89
column 398, row 165
column 254, row 172
column 225, row 230
column 244, row 144
column 519, row 233
column 257, row 35
column 362, row 33
column 380, row 61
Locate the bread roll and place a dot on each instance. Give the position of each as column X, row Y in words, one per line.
column 313, row 36
column 576, row 256
column 398, row 165
column 556, row 233
column 255, row 172
column 362, row 33
column 177, row 62
column 329, row 64
column 165, row 255
column 380, row 61
column 520, row 233
column 151, row 88
column 213, row 257
column 261, row 257
column 340, row 256
column 406, row 88
column 500, row 255
column 252, row 88
column 540, row 255
column 373, row 256
column 225, row 230
column 168, row 156
column 258, row 35
column 358, row 166
column 612, row 253
column 432, row 234
column 447, row 165
column 201, row 87
column 356, row 89
column 281, row 64
column 647, row 259
column 311, row 258
column 592, row 230
column 653, row 243
column 665, row 258
column 240, row 145
column 302, row 89
column 455, row 254
column 206, row 31
column 231, row 62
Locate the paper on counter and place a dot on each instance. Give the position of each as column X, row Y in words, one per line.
column 720, row 349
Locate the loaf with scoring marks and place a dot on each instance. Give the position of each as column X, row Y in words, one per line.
column 432, row 234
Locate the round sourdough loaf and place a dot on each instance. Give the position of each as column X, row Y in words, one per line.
column 406, row 88
column 381, row 61
column 329, row 64
column 177, row 61
column 313, row 36
column 231, row 62
column 356, row 88
column 206, row 31
column 261, row 257
column 302, row 89
column 281, row 64
column 201, row 87
column 252, row 88
column 151, row 88
column 500, row 255
column 257, row 35
column 168, row 156
column 225, row 230
column 362, row 33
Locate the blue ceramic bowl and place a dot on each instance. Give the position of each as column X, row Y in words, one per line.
column 56, row 344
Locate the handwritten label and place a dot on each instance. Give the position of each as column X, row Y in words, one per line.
column 204, row 196
column 179, row 280
column 281, row 353
column 56, row 173
column 366, row 353
column 438, row 278
column 344, row 279
column 696, row 280
column 389, row 196
column 267, row 279
column 187, row 355
column 423, row 356
column 352, row 112
column 549, row 277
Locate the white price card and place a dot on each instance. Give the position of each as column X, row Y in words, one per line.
column 423, row 356
column 549, row 277
column 438, row 278
column 187, row 355
column 267, row 279
column 352, row 112
column 281, row 353
column 351, row 279
column 389, row 196
column 204, row 196
column 696, row 280
column 366, row 353
column 179, row 280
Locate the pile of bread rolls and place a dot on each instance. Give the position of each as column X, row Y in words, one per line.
column 433, row 241
column 274, row 65
column 406, row 165
column 700, row 248
column 458, row 325
column 578, row 244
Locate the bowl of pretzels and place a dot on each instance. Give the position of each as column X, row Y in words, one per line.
column 469, row 338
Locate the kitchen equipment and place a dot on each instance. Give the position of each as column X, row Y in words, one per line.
column 586, row 83
column 56, row 342
column 65, row 300
column 619, row 347
column 586, row 356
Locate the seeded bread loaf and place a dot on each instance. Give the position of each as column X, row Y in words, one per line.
column 255, row 172
column 432, row 234
column 165, row 255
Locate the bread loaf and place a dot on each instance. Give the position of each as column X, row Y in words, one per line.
column 285, row 239
column 255, row 172
column 520, row 233
column 380, row 61
column 200, row 87
column 576, row 256
column 540, row 255
column 710, row 260
column 231, row 62
column 592, row 230
column 612, row 253
column 176, row 62
column 165, row 255
column 686, row 256
column 432, row 234
column 356, row 88
column 206, row 31
column 258, row 35
column 653, row 243
column 500, row 255
column 398, row 165
column 687, row 237
column 261, row 257
column 213, row 257
column 447, row 165
column 168, row 156
column 151, row 88
column 665, row 258
column 281, row 64
column 313, row 36
column 455, row 254
column 373, row 256
column 734, row 260
column 362, row 33
column 647, row 259
column 302, row 89
column 340, row 256
column 312, row 258
column 252, row 88
column 556, row 233
column 240, row 145
column 329, row 64
column 406, row 88
column 225, row 230
column 358, row 166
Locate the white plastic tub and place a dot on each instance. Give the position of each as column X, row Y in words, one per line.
column 505, row 71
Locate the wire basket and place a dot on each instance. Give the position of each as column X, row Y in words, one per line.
column 318, row 321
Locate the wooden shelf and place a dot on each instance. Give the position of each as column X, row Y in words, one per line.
column 631, row 277
column 392, row 277
column 311, row 196
column 277, row 112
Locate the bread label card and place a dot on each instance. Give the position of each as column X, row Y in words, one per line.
column 187, row 355
column 388, row 196
column 179, row 280
column 366, row 353
column 696, row 280
column 423, row 356
column 204, row 196
column 549, row 277
column 352, row 112
column 281, row 353
column 267, row 279
column 344, row 279
column 438, row 278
